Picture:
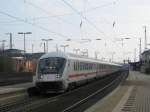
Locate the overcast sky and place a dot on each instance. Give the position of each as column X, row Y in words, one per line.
column 108, row 20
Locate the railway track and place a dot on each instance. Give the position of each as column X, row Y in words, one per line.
column 76, row 100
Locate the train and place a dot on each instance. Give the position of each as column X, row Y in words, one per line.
column 58, row 72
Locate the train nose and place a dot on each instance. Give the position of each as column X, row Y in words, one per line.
column 58, row 75
column 48, row 77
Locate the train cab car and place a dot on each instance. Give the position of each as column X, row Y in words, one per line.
column 50, row 70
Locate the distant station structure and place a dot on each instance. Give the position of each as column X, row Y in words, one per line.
column 143, row 65
column 18, row 61
column 145, row 61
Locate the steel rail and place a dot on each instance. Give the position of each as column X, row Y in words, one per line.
column 70, row 108
column 37, row 102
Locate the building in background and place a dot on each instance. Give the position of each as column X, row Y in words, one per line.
column 145, row 61
column 18, row 61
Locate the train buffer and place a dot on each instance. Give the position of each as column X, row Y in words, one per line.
column 131, row 96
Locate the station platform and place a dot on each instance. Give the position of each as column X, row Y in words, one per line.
column 15, row 88
column 133, row 95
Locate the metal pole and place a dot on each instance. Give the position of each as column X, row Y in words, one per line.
column 140, row 49
column 47, row 46
column 24, row 44
column 24, row 33
column 32, row 48
column 135, row 55
column 122, row 41
column 64, row 48
column 56, row 47
column 10, row 40
column 44, row 48
column 145, row 38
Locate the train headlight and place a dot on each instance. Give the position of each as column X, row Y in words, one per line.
column 40, row 77
column 58, row 75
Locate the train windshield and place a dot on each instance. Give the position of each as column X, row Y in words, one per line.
column 51, row 65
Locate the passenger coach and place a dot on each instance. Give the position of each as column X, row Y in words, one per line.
column 58, row 72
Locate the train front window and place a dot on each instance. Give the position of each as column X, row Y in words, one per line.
column 51, row 65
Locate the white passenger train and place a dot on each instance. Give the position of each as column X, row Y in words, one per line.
column 58, row 72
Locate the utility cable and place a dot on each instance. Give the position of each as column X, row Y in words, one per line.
column 75, row 10
column 33, row 24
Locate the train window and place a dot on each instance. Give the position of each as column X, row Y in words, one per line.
column 90, row 66
column 86, row 66
column 77, row 66
column 83, row 66
column 51, row 65
column 80, row 66
column 74, row 66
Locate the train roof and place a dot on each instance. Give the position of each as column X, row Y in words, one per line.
column 75, row 57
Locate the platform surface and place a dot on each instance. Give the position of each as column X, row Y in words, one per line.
column 15, row 87
column 131, row 96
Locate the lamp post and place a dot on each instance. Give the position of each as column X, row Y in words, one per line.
column 64, row 46
column 43, row 46
column 10, row 45
column 24, row 34
column 47, row 40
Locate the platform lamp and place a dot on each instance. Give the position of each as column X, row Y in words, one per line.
column 24, row 35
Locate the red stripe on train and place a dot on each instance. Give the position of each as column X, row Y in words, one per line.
column 81, row 74
column 84, row 74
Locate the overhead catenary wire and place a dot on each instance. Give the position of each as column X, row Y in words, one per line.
column 33, row 24
column 43, row 10
column 78, row 12
column 68, row 14
column 93, row 25
column 98, row 7
column 46, row 12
